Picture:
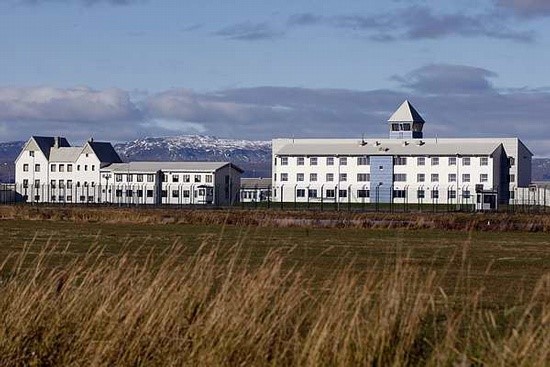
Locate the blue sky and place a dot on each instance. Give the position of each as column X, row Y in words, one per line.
column 121, row 69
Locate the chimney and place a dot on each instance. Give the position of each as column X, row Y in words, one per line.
column 56, row 142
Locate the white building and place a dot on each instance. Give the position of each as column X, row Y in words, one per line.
column 404, row 168
column 255, row 190
column 50, row 170
column 171, row 183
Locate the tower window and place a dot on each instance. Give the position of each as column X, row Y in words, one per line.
column 406, row 127
column 394, row 127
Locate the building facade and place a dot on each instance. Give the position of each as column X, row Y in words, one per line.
column 50, row 170
column 404, row 168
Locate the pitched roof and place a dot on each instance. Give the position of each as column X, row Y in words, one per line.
column 169, row 166
column 255, row 183
column 406, row 113
column 105, row 152
column 46, row 142
column 414, row 147
column 64, row 154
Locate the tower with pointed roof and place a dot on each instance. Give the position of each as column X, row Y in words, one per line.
column 406, row 123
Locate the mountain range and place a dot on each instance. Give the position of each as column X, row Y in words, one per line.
column 254, row 156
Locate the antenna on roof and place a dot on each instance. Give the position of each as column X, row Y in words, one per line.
column 363, row 142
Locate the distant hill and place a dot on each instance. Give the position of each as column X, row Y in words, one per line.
column 252, row 155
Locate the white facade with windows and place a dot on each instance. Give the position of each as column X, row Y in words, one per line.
column 50, row 170
column 405, row 167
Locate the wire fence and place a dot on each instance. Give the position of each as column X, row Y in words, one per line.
column 435, row 198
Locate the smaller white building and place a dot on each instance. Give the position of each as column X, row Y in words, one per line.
column 255, row 190
column 181, row 183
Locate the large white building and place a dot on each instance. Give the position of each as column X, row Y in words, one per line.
column 50, row 170
column 406, row 167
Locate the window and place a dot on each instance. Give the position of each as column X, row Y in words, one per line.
column 343, row 177
column 299, row 177
column 26, row 167
column 31, row 153
column 118, row 177
column 197, row 178
column 186, row 193
column 343, row 161
column 452, row 177
column 435, row 194
column 452, row 194
column 313, row 161
column 421, row 194
column 93, row 167
column 512, row 195
column 164, row 193
column 284, row 161
column 363, row 193
column 150, row 178
column 140, row 193
column 149, row 193
column 175, row 178
column 435, row 177
column 175, row 193
column 36, row 183
column 400, row 194
column 300, row 161
column 452, row 161
column 466, row 161
column 343, row 193
column 483, row 177
column 512, row 178
column 466, row 177
column 313, row 176
column 129, row 177
column 330, row 161
column 85, row 167
column 363, row 161
column 421, row 177
column 363, row 177
column 420, row 161
column 400, row 177
column 330, row 177
column 37, row 167
column 511, row 161
column 61, row 168
column 399, row 161
column 52, row 184
column 61, row 184
column 118, row 193
column 69, row 184
column 312, row 193
column 394, row 127
column 406, row 127
column 330, row 193
column 139, row 178
column 284, row 176
column 78, row 167
column 301, row 193
column 69, row 168
column 483, row 161
column 25, row 183
column 52, row 167
column 129, row 193
column 186, row 178
column 466, row 194
column 435, row 161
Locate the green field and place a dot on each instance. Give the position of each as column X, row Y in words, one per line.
column 503, row 263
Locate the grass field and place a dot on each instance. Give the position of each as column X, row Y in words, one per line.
column 386, row 296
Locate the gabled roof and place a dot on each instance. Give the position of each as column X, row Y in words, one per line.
column 46, row 142
column 105, row 152
column 255, row 183
column 152, row 167
column 406, row 113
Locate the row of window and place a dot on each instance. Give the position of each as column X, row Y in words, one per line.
column 163, row 193
column 398, row 177
column 397, row 161
column 59, row 167
column 151, row 178
column 420, row 194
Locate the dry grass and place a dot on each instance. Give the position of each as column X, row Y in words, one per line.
column 494, row 222
column 214, row 308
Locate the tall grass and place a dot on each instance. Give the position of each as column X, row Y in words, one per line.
column 214, row 308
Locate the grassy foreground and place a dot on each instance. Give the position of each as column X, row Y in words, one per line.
column 103, row 294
